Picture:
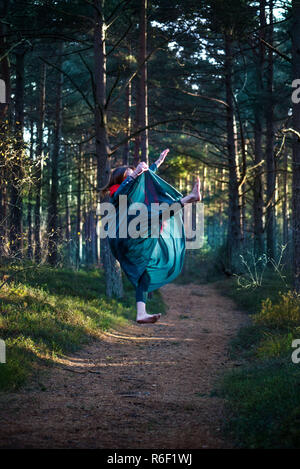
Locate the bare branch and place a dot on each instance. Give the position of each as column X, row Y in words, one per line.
column 274, row 49
column 199, row 96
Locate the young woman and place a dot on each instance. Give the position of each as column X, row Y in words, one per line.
column 148, row 262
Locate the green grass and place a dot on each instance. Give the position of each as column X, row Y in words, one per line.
column 275, row 345
column 250, row 299
column 263, row 394
column 46, row 313
column 263, row 404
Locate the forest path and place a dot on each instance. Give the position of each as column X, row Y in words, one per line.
column 143, row 386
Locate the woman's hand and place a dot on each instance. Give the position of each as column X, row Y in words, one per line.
column 141, row 167
column 161, row 158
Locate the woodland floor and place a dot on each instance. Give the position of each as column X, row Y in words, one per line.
column 142, row 386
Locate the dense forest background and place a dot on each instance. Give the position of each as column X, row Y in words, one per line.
column 90, row 85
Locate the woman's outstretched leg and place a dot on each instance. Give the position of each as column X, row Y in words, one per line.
column 142, row 317
column 194, row 196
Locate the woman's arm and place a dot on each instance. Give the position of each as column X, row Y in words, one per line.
column 161, row 158
column 129, row 181
column 125, row 187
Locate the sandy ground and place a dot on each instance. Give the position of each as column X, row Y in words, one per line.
column 143, row 386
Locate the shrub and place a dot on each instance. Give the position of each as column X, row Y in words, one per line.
column 284, row 314
column 275, row 345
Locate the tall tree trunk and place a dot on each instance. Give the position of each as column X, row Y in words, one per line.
column 87, row 237
column 137, row 140
column 128, row 124
column 39, row 163
column 258, row 201
column 285, row 207
column 53, row 200
column 258, row 188
column 4, row 115
column 29, row 205
column 84, row 206
column 16, row 234
column 68, row 187
column 270, row 160
column 78, row 213
column 234, row 218
column 296, row 146
column 141, row 141
column 112, row 268
column 242, row 184
column 4, row 64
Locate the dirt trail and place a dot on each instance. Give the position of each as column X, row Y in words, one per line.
column 143, row 386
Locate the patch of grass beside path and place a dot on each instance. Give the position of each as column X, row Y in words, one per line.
column 250, row 299
column 46, row 313
column 262, row 394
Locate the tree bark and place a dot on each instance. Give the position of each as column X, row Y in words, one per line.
column 78, row 213
column 258, row 202
column 234, row 215
column 29, row 205
column 4, row 115
column 112, row 269
column 141, row 141
column 4, row 64
column 39, row 154
column 52, row 257
column 128, row 124
column 270, row 160
column 295, row 33
column 16, row 229
column 68, row 187
column 285, row 207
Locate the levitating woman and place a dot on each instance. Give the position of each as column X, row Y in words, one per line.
column 149, row 261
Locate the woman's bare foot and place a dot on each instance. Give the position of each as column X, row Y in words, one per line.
column 142, row 317
column 195, row 195
column 147, row 318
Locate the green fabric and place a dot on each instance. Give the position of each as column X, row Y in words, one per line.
column 141, row 293
column 161, row 258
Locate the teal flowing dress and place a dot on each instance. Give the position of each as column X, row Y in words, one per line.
column 157, row 258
